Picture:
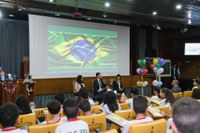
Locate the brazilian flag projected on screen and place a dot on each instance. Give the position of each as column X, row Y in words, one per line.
column 79, row 49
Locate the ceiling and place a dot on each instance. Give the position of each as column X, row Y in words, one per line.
column 125, row 12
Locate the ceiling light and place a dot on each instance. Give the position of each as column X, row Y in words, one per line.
column 57, row 14
column 154, row 13
column 107, row 4
column 89, row 18
column 1, row 15
column 156, row 26
column 105, row 15
column 184, row 30
column 51, row 1
column 178, row 7
column 189, row 14
column 11, row 15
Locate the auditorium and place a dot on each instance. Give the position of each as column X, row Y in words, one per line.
column 99, row 66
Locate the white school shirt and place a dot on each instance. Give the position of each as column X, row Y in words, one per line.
column 130, row 102
column 106, row 109
column 153, row 98
column 163, row 103
column 90, row 100
column 62, row 119
column 73, row 126
column 129, row 123
column 13, row 130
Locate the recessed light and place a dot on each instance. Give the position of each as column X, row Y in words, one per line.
column 178, row 6
column 11, row 15
column 105, row 15
column 107, row 4
column 51, row 1
column 57, row 14
column 1, row 15
column 154, row 13
column 89, row 18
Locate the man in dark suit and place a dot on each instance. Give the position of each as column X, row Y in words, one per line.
column 98, row 84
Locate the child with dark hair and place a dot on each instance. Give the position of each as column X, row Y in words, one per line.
column 83, row 94
column 60, row 98
column 156, row 92
column 9, row 114
column 140, row 105
column 186, row 116
column 85, row 107
column 54, row 109
column 134, row 93
column 73, row 124
column 110, row 104
column 167, row 98
column 23, row 104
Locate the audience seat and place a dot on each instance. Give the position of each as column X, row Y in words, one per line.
column 178, row 95
column 40, row 112
column 96, row 109
column 27, row 119
column 111, row 131
column 48, row 128
column 126, row 114
column 187, row 94
column 95, row 121
column 164, row 109
column 96, row 103
column 158, row 126
column 124, row 106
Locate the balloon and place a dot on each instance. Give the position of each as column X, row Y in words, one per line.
column 138, row 70
column 160, row 61
column 152, row 65
column 145, row 83
column 155, row 82
column 157, row 66
column 155, row 61
column 159, row 83
column 139, row 62
column 155, row 70
column 139, row 83
column 160, row 70
column 144, row 71
column 143, row 62
column 163, row 63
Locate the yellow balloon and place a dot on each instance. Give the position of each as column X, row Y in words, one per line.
column 155, row 61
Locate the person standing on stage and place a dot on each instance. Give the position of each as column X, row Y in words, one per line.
column 98, row 84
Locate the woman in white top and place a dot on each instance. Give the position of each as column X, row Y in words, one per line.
column 78, row 84
column 156, row 92
column 110, row 104
column 167, row 98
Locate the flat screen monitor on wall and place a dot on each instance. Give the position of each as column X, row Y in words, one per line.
column 192, row 49
column 62, row 48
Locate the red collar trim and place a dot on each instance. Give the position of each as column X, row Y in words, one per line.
column 141, row 118
column 9, row 129
column 72, row 119
column 55, row 121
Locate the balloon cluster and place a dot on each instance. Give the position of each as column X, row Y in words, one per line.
column 142, row 71
column 157, row 65
column 157, row 68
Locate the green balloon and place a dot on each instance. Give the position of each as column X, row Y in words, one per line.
column 139, row 62
column 143, row 62
column 158, row 66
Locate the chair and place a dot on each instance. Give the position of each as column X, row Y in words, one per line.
column 158, row 126
column 40, row 112
column 124, row 106
column 95, row 121
column 111, row 131
column 126, row 114
column 96, row 109
column 26, row 120
column 187, row 94
column 164, row 109
column 178, row 95
column 48, row 128
column 96, row 103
